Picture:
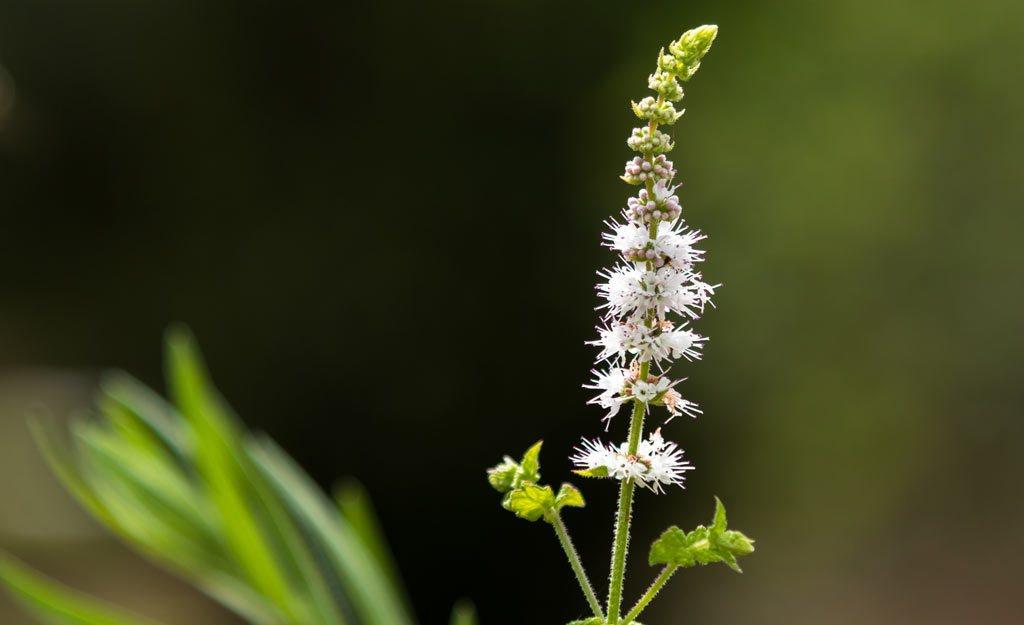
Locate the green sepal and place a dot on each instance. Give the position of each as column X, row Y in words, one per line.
column 702, row 545
column 529, row 501
column 593, row 620
column 569, row 495
column 595, row 472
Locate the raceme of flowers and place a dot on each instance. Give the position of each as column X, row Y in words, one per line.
column 653, row 294
column 657, row 462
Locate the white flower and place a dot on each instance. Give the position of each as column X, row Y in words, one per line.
column 677, row 247
column 634, row 290
column 691, row 297
column 611, row 383
column 649, row 391
column 680, row 343
column 676, row 405
column 621, row 338
column 626, row 291
column 658, row 342
column 627, row 237
column 657, row 463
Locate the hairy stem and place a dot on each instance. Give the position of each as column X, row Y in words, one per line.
column 574, row 560
column 652, row 592
column 625, row 511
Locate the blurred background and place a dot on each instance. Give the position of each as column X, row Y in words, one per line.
column 382, row 222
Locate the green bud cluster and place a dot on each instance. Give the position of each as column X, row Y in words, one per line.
column 523, row 495
column 665, row 84
column 688, row 50
column 644, row 142
column 702, row 545
column 659, row 112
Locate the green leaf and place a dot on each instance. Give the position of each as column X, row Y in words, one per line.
column 703, row 545
column 678, row 548
column 463, row 613
column 718, row 524
column 569, row 495
column 595, row 472
column 502, row 476
column 531, row 463
column 55, row 603
column 530, row 501
column 593, row 620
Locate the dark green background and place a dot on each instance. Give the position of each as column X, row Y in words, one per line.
column 382, row 222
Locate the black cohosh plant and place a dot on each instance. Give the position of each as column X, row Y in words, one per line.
column 650, row 299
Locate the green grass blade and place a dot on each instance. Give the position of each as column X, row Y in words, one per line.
column 217, row 459
column 356, row 507
column 159, row 416
column 54, row 603
column 374, row 599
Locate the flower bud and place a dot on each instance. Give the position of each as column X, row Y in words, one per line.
column 666, row 85
column 643, row 141
column 658, row 112
column 688, row 51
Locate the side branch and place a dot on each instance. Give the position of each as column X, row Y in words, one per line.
column 574, row 560
column 651, row 593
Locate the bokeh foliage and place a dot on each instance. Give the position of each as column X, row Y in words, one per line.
column 187, row 485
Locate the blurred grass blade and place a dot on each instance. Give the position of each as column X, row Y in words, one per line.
column 376, row 602
column 325, row 597
column 463, row 613
column 62, row 463
column 161, row 547
column 356, row 507
column 216, row 436
column 56, row 604
column 189, row 487
column 147, row 406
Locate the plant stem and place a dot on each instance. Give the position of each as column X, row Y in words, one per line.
column 574, row 560
column 625, row 510
column 659, row 581
column 636, row 430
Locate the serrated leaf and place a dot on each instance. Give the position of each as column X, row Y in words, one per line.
column 736, row 543
column 679, row 548
column 531, row 463
column 595, row 472
column 703, row 545
column 530, row 501
column 569, row 495
column 719, row 523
